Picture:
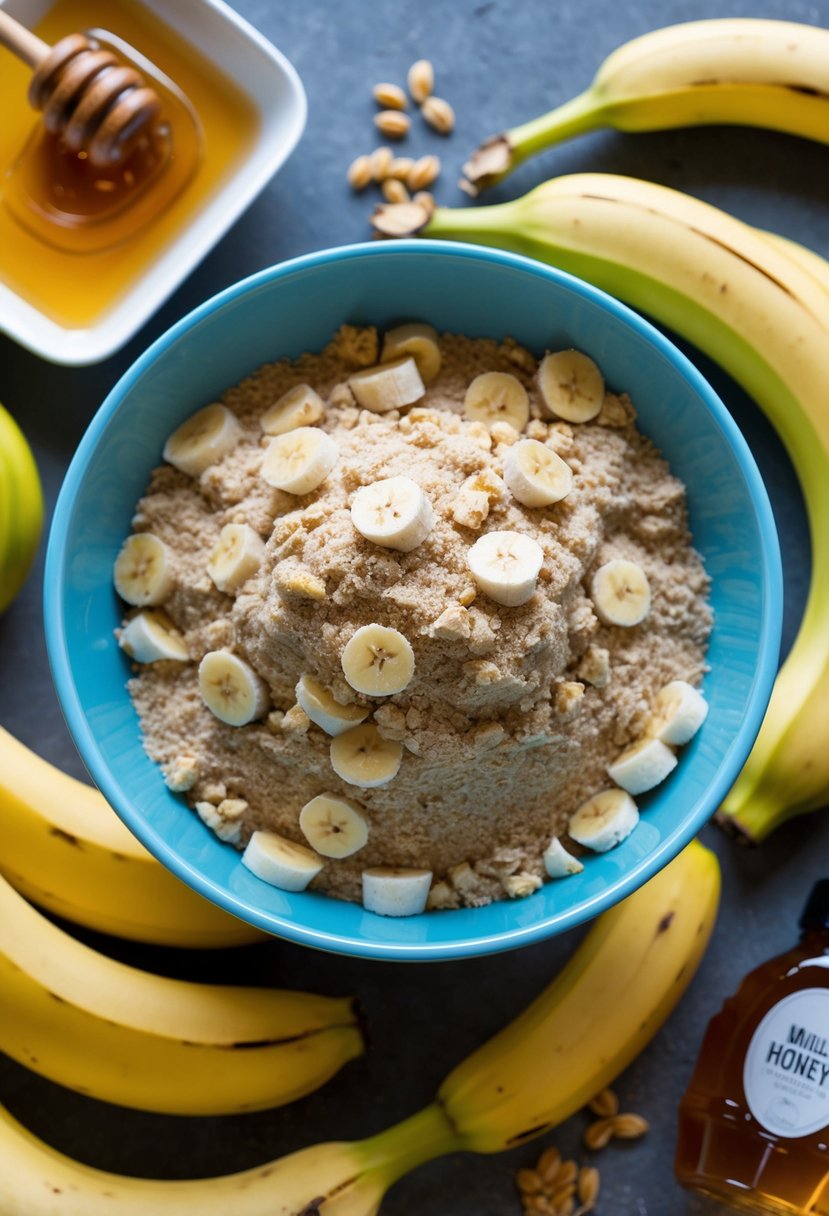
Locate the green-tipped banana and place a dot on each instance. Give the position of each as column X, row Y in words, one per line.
column 764, row 316
column 741, row 70
column 21, row 509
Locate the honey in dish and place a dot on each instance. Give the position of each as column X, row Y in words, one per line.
column 73, row 239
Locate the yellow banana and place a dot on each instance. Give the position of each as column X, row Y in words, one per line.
column 21, row 509
column 143, row 1040
column 324, row 1180
column 744, row 70
column 595, row 1018
column 764, row 316
column 66, row 849
column 611, row 998
column 806, row 259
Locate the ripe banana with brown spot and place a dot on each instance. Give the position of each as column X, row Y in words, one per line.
column 153, row 1043
column 736, row 70
column 761, row 311
column 576, row 1037
column 66, row 849
column 324, row 1180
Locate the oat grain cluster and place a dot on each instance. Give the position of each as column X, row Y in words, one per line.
column 401, row 177
column 554, row 1187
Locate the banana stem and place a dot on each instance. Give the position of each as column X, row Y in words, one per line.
column 752, row 823
column 402, row 1148
column 497, row 157
column 496, row 224
column 575, row 117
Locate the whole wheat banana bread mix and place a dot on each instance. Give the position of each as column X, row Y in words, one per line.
column 418, row 635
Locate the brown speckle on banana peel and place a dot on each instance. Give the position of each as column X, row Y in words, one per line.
column 399, row 219
column 489, row 162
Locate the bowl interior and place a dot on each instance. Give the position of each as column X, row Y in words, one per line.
column 294, row 308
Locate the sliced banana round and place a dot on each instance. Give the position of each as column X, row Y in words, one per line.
column 678, row 712
column 497, row 397
column 417, row 339
column 388, row 386
column 389, row 891
column 604, row 820
column 505, row 565
column 394, row 513
column 143, row 573
column 235, row 557
column 300, row 406
column 536, row 475
column 203, row 439
column 150, row 636
column 281, row 862
column 324, row 711
column 231, row 689
column 571, row 385
column 378, row 661
column 642, row 765
column 300, row 460
column 621, row 593
column 362, row 757
column 333, row 826
column 558, row 862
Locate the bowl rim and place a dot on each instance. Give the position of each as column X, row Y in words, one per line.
column 340, row 943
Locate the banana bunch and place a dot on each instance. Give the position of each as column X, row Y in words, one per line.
column 21, row 509
column 748, row 71
column 143, row 1040
column 759, row 308
column 66, row 849
column 620, row 985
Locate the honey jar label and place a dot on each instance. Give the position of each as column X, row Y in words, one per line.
column 786, row 1070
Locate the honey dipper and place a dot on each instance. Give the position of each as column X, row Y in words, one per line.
column 99, row 105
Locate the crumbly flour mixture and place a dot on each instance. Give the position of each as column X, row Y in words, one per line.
column 512, row 714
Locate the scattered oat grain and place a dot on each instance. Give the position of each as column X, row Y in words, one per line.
column 401, row 167
column 439, row 114
column 549, row 1164
column 392, row 124
column 599, row 1134
column 389, row 96
column 529, row 1182
column 423, row 173
column 588, row 1188
column 605, row 1104
column 380, row 162
column 567, row 1174
column 630, row 1126
column 394, row 191
column 359, row 173
column 421, row 80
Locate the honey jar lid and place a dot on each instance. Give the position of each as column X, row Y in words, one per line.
column 816, row 913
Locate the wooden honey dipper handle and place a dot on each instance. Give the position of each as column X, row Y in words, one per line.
column 96, row 103
column 26, row 45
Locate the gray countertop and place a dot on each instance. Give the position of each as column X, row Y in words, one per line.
column 498, row 63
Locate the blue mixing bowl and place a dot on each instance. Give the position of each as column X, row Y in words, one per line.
column 296, row 307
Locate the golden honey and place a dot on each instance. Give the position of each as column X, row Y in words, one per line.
column 72, row 242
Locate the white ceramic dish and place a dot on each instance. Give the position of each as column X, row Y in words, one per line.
column 274, row 87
